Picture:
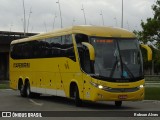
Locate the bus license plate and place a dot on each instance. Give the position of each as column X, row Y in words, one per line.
column 122, row 97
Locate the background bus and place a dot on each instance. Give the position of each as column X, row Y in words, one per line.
column 81, row 62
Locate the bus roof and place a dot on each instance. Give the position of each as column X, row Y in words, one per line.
column 89, row 30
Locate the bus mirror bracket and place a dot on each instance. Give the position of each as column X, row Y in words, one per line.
column 91, row 50
column 149, row 51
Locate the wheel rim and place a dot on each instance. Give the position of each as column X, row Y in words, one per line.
column 28, row 90
column 21, row 89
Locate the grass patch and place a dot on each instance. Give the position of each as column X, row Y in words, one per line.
column 4, row 86
column 152, row 93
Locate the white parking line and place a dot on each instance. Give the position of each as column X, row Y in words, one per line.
column 36, row 103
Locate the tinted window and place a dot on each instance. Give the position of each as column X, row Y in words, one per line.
column 67, row 47
column 51, row 47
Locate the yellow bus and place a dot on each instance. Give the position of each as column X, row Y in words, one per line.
column 90, row 63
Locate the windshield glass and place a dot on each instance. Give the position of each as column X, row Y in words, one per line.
column 117, row 58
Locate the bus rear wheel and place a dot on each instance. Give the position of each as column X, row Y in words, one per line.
column 22, row 90
column 78, row 101
column 30, row 94
column 118, row 103
column 28, row 90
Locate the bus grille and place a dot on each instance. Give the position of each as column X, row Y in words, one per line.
column 121, row 89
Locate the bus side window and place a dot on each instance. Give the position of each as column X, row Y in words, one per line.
column 81, row 38
column 67, row 47
column 53, row 47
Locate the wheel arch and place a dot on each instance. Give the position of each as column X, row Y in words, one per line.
column 20, row 83
column 26, row 80
column 71, row 88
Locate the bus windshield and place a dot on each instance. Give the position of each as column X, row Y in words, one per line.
column 118, row 59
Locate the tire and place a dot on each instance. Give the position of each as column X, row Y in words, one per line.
column 78, row 101
column 118, row 103
column 30, row 94
column 28, row 90
column 23, row 90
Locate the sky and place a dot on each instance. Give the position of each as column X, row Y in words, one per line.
column 44, row 15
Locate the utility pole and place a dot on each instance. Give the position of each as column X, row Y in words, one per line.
column 60, row 12
column 122, row 16
column 84, row 14
column 30, row 12
column 24, row 21
column 54, row 20
column 102, row 18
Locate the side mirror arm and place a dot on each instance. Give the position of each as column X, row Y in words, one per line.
column 149, row 51
column 91, row 50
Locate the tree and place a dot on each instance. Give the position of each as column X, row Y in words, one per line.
column 151, row 33
column 151, row 28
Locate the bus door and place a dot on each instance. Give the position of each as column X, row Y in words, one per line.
column 87, row 66
column 86, row 87
column 86, row 60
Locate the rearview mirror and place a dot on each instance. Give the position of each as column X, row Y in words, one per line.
column 149, row 51
column 91, row 50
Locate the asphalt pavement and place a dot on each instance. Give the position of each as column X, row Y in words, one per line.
column 55, row 106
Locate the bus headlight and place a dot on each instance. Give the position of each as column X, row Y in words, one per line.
column 141, row 86
column 100, row 86
column 97, row 85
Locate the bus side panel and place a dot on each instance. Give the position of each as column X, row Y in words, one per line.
column 48, row 76
column 51, row 85
column 14, row 74
column 13, row 80
column 70, row 72
column 87, row 87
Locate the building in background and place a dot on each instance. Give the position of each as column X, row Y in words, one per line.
column 5, row 40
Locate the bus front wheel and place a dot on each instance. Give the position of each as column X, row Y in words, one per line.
column 118, row 103
column 77, row 100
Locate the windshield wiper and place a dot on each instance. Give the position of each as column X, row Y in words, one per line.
column 113, row 69
column 128, row 71
column 120, row 59
column 125, row 67
column 121, row 65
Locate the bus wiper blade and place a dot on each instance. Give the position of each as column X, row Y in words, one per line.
column 128, row 71
column 99, row 76
column 113, row 69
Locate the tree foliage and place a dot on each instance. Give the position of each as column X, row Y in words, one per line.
column 151, row 28
column 151, row 33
